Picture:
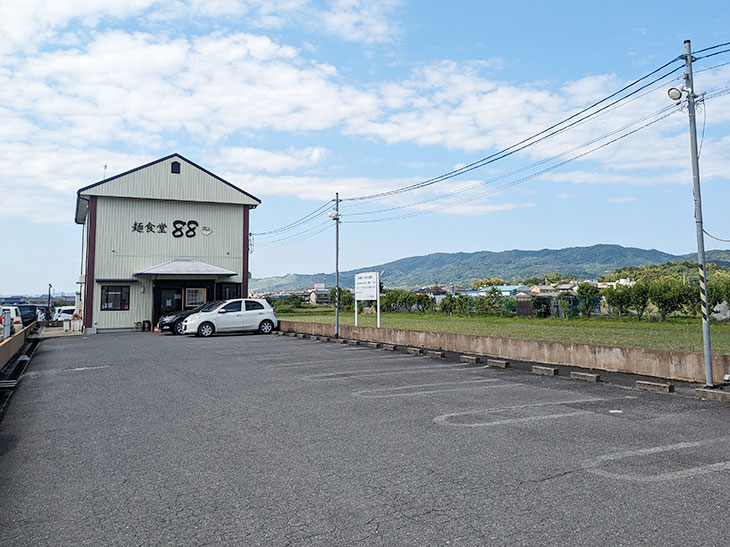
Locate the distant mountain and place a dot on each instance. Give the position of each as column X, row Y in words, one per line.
column 463, row 268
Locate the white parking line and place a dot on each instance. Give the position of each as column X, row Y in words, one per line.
column 401, row 391
column 345, row 375
column 386, row 359
column 444, row 419
column 593, row 465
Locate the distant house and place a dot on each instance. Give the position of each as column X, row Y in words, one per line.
column 319, row 296
column 567, row 287
column 541, row 289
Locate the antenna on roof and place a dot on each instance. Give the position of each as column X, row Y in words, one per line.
column 104, row 172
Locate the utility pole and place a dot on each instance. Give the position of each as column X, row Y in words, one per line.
column 336, row 217
column 691, row 96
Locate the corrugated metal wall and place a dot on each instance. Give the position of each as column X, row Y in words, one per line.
column 122, row 251
column 158, row 182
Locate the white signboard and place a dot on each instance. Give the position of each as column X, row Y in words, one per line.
column 367, row 287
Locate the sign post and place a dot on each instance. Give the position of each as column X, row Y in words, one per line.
column 367, row 287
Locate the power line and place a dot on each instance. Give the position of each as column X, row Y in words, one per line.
column 712, row 54
column 521, row 169
column 521, row 145
column 711, row 47
column 522, row 180
column 296, row 223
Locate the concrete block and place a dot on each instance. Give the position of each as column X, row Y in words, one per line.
column 291, row 334
column 300, row 335
column 656, row 387
column 435, row 354
column 414, row 351
column 340, row 341
column 585, row 376
column 499, row 363
column 280, row 333
column 374, row 345
column 544, row 371
column 323, row 338
column 390, row 347
column 713, row 394
column 354, row 342
column 470, row 359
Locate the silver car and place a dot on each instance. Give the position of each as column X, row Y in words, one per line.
column 237, row 315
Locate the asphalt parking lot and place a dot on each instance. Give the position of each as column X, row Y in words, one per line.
column 149, row 439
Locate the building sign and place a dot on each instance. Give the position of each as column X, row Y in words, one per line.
column 180, row 228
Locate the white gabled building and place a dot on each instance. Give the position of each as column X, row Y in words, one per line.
column 165, row 236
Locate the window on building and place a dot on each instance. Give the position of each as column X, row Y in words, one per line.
column 115, row 297
column 227, row 291
column 176, row 167
column 195, row 297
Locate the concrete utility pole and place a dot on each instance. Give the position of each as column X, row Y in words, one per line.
column 336, row 218
column 691, row 96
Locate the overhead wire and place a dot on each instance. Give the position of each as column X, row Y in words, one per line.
column 493, row 191
column 296, row 223
column 533, row 139
column 524, row 168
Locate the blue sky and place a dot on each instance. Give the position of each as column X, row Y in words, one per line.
column 296, row 100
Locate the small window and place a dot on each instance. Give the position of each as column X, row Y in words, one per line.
column 253, row 305
column 195, row 297
column 115, row 298
column 232, row 306
column 176, row 167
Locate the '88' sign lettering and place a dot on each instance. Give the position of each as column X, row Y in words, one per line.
column 179, row 226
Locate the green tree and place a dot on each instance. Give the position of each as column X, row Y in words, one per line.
column 507, row 306
column 618, row 299
column 424, row 303
column 553, row 278
column 587, row 295
column 463, row 304
column 668, row 294
column 448, row 304
column 718, row 289
column 640, row 298
column 347, row 299
column 490, row 303
column 486, row 282
column 532, row 281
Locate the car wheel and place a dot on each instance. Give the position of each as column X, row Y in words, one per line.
column 205, row 330
column 266, row 327
column 177, row 328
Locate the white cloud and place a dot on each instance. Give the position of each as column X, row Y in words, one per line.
column 258, row 160
column 625, row 199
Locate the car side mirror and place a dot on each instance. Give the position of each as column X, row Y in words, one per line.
column 222, row 311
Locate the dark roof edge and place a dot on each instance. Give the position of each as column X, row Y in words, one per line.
column 85, row 188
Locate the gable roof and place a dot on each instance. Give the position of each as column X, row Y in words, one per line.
column 155, row 180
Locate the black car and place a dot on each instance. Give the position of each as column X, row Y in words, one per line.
column 173, row 321
column 28, row 313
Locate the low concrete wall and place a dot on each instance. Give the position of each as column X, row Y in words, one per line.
column 10, row 346
column 670, row 365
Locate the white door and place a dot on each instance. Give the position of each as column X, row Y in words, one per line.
column 230, row 317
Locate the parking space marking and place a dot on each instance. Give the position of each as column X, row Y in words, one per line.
column 345, row 375
column 386, row 392
column 444, row 419
column 594, row 465
column 386, row 359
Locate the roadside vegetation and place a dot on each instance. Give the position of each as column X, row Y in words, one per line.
column 659, row 311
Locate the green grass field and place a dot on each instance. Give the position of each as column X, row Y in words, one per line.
column 676, row 333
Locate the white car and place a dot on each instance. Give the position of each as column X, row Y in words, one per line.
column 16, row 319
column 237, row 315
column 64, row 313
